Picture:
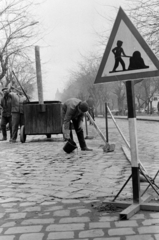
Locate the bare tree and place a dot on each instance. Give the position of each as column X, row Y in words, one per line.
column 81, row 84
column 144, row 15
column 118, row 88
column 17, row 30
column 145, row 92
column 25, row 73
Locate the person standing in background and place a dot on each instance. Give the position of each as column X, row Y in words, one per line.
column 90, row 103
column 17, row 112
column 5, row 103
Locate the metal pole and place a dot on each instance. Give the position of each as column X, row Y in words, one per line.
column 122, row 188
column 133, row 141
column 96, row 127
column 128, row 145
column 106, row 121
column 118, row 127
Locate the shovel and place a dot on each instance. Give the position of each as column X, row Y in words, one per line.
column 87, row 136
column 107, row 147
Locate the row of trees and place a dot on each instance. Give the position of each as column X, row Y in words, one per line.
column 17, row 31
column 144, row 15
column 81, row 85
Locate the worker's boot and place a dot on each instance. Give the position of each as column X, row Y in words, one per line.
column 86, row 149
column 3, row 139
column 4, row 134
column 82, row 142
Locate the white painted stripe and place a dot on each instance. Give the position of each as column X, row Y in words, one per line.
column 133, row 142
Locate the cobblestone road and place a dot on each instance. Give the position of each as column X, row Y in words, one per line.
column 48, row 194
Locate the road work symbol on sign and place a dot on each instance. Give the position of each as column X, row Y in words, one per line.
column 127, row 55
column 136, row 61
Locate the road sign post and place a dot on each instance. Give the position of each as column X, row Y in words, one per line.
column 133, row 141
column 127, row 57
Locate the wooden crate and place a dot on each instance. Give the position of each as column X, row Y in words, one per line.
column 43, row 118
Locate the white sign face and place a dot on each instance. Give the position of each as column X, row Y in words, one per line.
column 130, row 47
column 127, row 55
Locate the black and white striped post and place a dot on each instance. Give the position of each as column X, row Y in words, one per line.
column 133, row 141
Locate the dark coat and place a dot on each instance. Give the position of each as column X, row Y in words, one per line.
column 17, row 102
column 6, row 104
column 70, row 111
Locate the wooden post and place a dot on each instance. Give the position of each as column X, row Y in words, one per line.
column 39, row 75
column 133, row 141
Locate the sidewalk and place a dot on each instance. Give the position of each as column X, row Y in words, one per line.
column 73, row 219
column 142, row 118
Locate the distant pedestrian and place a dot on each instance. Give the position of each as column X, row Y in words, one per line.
column 73, row 110
column 91, row 105
column 5, row 103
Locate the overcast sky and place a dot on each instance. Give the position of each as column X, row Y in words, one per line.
column 69, row 28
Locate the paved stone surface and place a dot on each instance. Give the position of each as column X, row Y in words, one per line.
column 48, row 194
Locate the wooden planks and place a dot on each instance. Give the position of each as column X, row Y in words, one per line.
column 43, row 118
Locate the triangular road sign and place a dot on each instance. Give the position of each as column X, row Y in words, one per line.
column 127, row 55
